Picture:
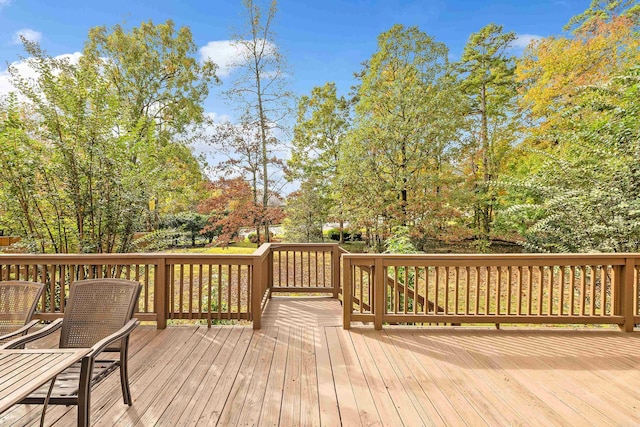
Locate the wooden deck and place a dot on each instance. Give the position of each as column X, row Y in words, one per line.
column 295, row 373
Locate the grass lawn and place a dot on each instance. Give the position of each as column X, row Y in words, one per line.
column 229, row 250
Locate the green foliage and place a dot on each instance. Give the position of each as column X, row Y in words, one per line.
column 394, row 164
column 95, row 152
column 487, row 82
column 585, row 196
column 322, row 123
column 190, row 222
column 348, row 235
column 306, row 212
column 400, row 241
column 603, row 10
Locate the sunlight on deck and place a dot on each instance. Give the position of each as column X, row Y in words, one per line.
column 290, row 373
column 297, row 311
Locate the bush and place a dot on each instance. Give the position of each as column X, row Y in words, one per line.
column 349, row 236
column 253, row 237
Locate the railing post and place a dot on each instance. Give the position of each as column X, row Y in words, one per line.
column 160, row 294
column 269, row 276
column 626, row 294
column 257, row 292
column 335, row 270
column 378, row 292
column 347, row 304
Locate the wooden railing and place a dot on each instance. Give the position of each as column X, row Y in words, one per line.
column 391, row 289
column 306, row 268
column 187, row 286
column 550, row 289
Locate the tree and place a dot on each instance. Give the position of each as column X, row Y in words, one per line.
column 101, row 159
column 230, row 207
column 603, row 11
column 306, row 213
column 487, row 82
column 260, row 88
column 584, row 197
column 190, row 222
column 242, row 145
column 322, row 124
column 551, row 69
column 402, row 129
column 161, row 86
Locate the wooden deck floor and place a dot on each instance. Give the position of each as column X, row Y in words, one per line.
column 293, row 373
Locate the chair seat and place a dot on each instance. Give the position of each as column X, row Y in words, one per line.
column 66, row 385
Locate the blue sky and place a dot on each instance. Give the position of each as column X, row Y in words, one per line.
column 322, row 40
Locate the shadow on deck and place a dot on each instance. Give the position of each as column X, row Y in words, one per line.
column 303, row 369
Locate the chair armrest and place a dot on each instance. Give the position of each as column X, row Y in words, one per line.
column 18, row 332
column 98, row 347
column 47, row 330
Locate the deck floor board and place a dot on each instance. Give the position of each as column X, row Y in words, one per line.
column 297, row 372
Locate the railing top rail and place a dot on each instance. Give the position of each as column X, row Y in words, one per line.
column 528, row 256
column 120, row 257
column 302, row 246
column 262, row 251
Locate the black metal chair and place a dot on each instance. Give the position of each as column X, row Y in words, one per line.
column 98, row 315
column 18, row 302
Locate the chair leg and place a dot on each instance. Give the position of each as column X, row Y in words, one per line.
column 84, row 392
column 124, row 374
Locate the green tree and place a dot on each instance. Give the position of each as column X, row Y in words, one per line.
column 161, row 86
column 584, row 197
column 306, row 213
column 603, row 11
column 101, row 160
column 322, row 123
column 191, row 222
column 260, row 90
column 487, row 82
column 402, row 130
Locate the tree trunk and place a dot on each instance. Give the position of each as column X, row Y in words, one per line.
column 484, row 141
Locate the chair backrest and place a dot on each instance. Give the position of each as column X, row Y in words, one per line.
column 18, row 302
column 97, row 308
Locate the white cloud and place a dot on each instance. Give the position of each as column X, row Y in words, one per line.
column 227, row 54
column 27, row 33
column 25, row 71
column 217, row 118
column 523, row 40
column 4, row 3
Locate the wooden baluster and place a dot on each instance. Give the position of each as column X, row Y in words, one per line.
column 456, row 298
column 220, row 291
column 210, row 294
column 603, row 290
column 572, row 281
column 562, row 288
column 229, row 291
column 446, row 290
column 509, row 297
column 592, row 291
column 427, row 272
column 200, row 287
column 416, row 288
column 467, row 292
column 540, row 289
column 436, row 291
column 487, row 293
